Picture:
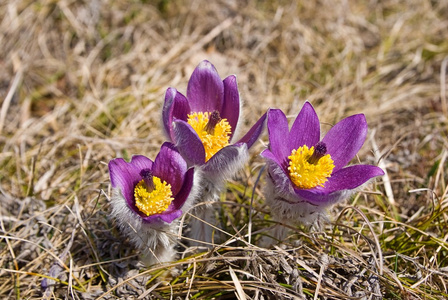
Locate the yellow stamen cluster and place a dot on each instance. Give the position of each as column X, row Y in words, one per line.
column 155, row 201
column 212, row 142
column 306, row 175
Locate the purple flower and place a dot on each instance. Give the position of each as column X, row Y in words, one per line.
column 153, row 191
column 203, row 124
column 149, row 197
column 306, row 173
column 204, row 127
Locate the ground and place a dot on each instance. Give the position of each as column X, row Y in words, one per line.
column 83, row 82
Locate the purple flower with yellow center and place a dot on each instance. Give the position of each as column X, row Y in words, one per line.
column 149, row 197
column 203, row 124
column 307, row 174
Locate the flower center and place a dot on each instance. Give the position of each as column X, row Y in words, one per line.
column 152, row 195
column 310, row 167
column 213, row 131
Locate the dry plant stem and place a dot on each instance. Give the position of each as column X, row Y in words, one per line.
column 443, row 86
column 55, row 270
column 201, row 233
column 382, row 164
column 211, row 185
column 249, row 227
column 274, row 235
column 7, row 100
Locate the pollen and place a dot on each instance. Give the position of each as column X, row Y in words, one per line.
column 213, row 131
column 308, row 173
column 155, row 201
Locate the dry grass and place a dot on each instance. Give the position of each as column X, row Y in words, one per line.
column 83, row 82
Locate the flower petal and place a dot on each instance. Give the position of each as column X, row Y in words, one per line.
column 170, row 167
column 125, row 175
column 175, row 107
column 284, row 188
column 340, row 184
column 231, row 106
column 205, row 91
column 167, row 218
column 322, row 200
column 279, row 136
column 267, row 154
column 184, row 192
column 226, row 162
column 306, row 128
column 188, row 143
column 345, row 139
column 174, row 211
column 254, row 133
column 278, row 174
column 349, row 178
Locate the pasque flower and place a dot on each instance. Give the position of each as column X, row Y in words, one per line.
column 203, row 126
column 306, row 174
column 149, row 197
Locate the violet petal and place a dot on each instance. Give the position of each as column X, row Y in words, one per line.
column 345, row 179
column 175, row 107
column 170, row 167
column 231, row 105
column 349, row 178
column 184, row 192
column 322, row 200
column 125, row 175
column 188, row 142
column 278, row 175
column 345, row 139
column 174, row 211
column 278, row 131
column 306, row 128
column 167, row 218
column 205, row 91
column 254, row 133
column 266, row 153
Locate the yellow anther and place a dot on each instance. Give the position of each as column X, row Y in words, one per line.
column 213, row 140
column 306, row 173
column 155, row 201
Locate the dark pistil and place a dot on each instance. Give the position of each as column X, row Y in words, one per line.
column 320, row 149
column 214, row 119
column 148, row 178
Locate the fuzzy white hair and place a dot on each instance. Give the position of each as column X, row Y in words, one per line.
column 155, row 241
column 212, row 185
column 288, row 208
